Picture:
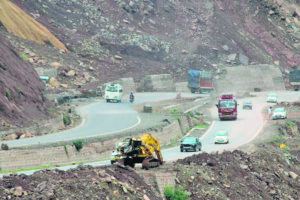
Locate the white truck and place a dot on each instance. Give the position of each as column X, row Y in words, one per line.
column 113, row 92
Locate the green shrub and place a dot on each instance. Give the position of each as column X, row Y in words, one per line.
column 65, row 120
column 7, row 94
column 66, row 150
column 4, row 146
column 24, row 56
column 175, row 110
column 78, row 144
column 175, row 193
column 51, row 109
column 291, row 124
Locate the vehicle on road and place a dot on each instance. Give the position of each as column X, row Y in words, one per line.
column 295, row 79
column 279, row 113
column 200, row 81
column 131, row 97
column 190, row 144
column 227, row 107
column 247, row 105
column 222, row 137
column 113, row 92
column 272, row 98
column 145, row 150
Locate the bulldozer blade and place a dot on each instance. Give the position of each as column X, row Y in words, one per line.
column 150, row 163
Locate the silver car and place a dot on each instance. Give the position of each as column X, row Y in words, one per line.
column 221, row 137
column 272, row 98
column 279, row 113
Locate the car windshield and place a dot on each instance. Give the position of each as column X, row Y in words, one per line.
column 272, row 95
column 111, row 89
column 279, row 110
column 227, row 104
column 221, row 133
column 189, row 140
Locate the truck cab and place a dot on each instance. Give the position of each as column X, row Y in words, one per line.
column 227, row 107
column 113, row 92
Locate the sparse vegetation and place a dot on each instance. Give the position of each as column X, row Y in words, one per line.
column 290, row 124
column 24, row 56
column 174, row 110
column 78, row 144
column 51, row 109
column 66, row 150
column 65, row 120
column 7, row 94
column 176, row 193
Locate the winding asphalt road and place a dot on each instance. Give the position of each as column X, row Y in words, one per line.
column 248, row 125
column 100, row 118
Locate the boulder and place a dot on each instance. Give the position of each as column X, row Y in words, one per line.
column 71, row 73
column 243, row 59
column 56, row 64
column 11, row 137
column 232, row 57
column 118, row 57
column 54, row 82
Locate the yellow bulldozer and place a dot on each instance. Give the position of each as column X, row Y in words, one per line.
column 145, row 150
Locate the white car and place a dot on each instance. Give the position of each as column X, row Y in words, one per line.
column 279, row 113
column 221, row 137
column 272, row 98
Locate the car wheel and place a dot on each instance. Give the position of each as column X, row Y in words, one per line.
column 181, row 150
column 195, row 149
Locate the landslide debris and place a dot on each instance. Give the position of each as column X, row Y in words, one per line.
column 84, row 182
column 20, row 89
column 16, row 21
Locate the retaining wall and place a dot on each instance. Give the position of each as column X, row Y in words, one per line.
column 17, row 159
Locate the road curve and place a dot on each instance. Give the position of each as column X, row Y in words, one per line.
column 248, row 125
column 100, row 118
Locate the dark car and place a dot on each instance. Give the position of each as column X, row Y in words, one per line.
column 190, row 144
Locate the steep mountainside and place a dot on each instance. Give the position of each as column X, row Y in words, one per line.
column 20, row 89
column 172, row 36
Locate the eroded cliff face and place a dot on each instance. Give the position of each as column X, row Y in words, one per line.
column 20, row 89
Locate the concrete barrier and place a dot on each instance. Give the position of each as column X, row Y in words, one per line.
column 246, row 78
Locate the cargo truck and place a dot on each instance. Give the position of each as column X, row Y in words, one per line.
column 295, row 79
column 200, row 81
column 227, row 107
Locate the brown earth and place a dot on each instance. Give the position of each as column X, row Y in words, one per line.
column 21, row 90
column 16, row 21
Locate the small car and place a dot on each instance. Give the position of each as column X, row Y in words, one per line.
column 221, row 137
column 247, row 105
column 279, row 113
column 190, row 144
column 272, row 98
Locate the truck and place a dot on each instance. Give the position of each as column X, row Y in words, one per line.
column 227, row 107
column 145, row 150
column 200, row 81
column 113, row 92
column 295, row 79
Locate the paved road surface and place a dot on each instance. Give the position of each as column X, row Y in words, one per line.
column 101, row 118
column 241, row 131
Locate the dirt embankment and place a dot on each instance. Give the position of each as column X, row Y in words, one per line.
column 16, row 21
column 21, row 89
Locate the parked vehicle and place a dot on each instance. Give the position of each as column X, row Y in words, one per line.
column 272, row 98
column 279, row 113
column 227, row 107
column 222, row 137
column 190, row 144
column 295, row 79
column 247, row 105
column 200, row 81
column 113, row 92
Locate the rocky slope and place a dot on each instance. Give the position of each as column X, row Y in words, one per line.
column 133, row 38
column 21, row 89
column 272, row 172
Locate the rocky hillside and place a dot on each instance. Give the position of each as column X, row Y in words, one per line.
column 123, row 38
column 20, row 87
